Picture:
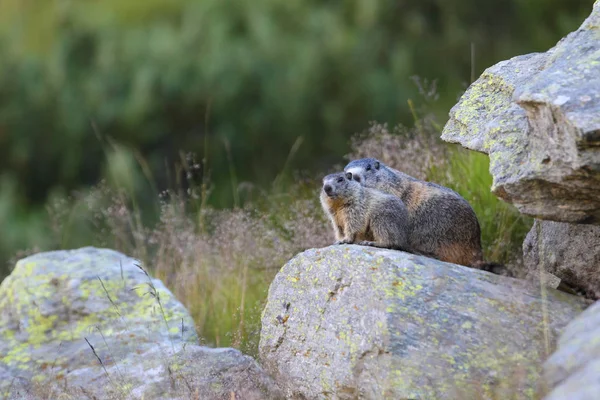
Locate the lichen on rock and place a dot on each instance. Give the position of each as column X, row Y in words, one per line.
column 352, row 321
column 538, row 118
column 92, row 323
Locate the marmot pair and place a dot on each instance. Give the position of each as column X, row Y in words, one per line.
column 373, row 204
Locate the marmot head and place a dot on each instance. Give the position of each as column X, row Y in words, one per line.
column 365, row 170
column 339, row 185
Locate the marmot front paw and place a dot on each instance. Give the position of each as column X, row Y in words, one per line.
column 367, row 243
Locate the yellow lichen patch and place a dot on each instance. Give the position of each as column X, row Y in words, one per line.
column 402, row 289
column 16, row 355
column 8, row 335
column 25, row 269
column 40, row 327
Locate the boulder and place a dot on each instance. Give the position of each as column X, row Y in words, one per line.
column 570, row 252
column 572, row 371
column 538, row 118
column 91, row 323
column 351, row 321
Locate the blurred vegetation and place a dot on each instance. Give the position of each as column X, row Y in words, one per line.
column 89, row 89
column 220, row 262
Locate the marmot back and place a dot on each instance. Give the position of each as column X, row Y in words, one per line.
column 442, row 224
column 364, row 215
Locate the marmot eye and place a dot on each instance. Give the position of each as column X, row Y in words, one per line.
column 368, row 167
column 340, row 179
column 349, row 175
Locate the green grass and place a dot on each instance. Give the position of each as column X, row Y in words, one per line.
column 503, row 228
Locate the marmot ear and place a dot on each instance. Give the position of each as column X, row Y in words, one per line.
column 376, row 164
column 349, row 176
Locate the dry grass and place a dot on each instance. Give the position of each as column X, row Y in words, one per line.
column 412, row 151
column 218, row 263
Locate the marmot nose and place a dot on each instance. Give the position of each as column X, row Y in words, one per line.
column 328, row 189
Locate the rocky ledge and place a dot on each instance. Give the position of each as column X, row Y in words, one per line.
column 538, row 118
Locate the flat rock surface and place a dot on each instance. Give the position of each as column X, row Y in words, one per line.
column 353, row 321
column 90, row 323
column 538, row 118
column 572, row 371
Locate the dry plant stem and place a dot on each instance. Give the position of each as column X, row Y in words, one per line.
column 156, row 295
column 293, row 150
column 232, row 174
column 241, row 331
column 102, row 364
column 111, row 355
column 116, row 307
column 205, row 176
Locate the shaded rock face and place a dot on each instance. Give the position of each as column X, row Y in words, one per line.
column 89, row 323
column 538, row 118
column 572, row 371
column 568, row 251
column 352, row 321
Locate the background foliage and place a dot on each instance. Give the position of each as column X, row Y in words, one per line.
column 220, row 262
column 257, row 89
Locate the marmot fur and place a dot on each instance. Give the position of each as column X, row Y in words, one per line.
column 364, row 215
column 442, row 224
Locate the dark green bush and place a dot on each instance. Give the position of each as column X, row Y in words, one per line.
column 265, row 72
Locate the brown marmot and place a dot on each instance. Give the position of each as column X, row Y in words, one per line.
column 364, row 215
column 442, row 224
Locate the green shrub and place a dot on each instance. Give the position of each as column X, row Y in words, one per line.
column 162, row 76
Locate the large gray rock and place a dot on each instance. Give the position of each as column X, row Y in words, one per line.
column 568, row 251
column 538, row 118
column 572, row 371
column 352, row 321
column 90, row 323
